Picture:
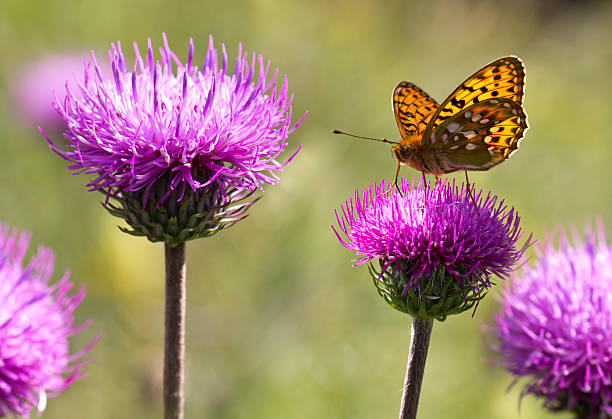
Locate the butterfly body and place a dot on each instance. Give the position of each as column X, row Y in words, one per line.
column 477, row 127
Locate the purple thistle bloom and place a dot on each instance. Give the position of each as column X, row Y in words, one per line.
column 36, row 320
column 555, row 326
column 33, row 85
column 437, row 251
column 169, row 131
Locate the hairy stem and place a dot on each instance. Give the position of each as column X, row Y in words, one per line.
column 419, row 343
column 174, row 342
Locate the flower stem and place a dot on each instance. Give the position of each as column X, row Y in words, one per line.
column 419, row 342
column 174, row 343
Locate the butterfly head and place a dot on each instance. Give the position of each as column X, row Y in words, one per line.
column 409, row 153
column 405, row 153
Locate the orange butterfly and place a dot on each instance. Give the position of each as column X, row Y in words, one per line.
column 477, row 127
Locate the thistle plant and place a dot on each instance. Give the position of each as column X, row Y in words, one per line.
column 36, row 320
column 178, row 152
column 437, row 254
column 554, row 328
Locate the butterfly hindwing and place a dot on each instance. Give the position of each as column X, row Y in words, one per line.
column 413, row 109
column 504, row 78
column 479, row 137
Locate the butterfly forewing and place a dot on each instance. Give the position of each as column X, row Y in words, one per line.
column 413, row 109
column 504, row 78
column 479, row 137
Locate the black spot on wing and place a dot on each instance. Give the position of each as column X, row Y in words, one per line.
column 457, row 103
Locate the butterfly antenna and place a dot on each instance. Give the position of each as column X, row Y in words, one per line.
column 382, row 140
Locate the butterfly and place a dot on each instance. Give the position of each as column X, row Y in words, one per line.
column 478, row 126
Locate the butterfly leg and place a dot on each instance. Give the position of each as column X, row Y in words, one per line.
column 469, row 189
column 424, row 190
column 394, row 182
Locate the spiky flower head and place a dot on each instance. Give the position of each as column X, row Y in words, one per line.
column 176, row 145
column 36, row 320
column 437, row 250
column 554, row 327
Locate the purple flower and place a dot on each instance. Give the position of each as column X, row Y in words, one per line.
column 555, row 326
column 167, row 135
column 437, row 250
column 36, row 320
column 32, row 87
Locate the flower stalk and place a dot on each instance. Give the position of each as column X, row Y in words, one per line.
column 174, row 341
column 419, row 344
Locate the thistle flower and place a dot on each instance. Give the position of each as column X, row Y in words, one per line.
column 36, row 319
column 555, row 326
column 176, row 145
column 437, row 251
column 32, row 88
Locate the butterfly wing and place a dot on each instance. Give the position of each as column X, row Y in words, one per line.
column 479, row 137
column 413, row 109
column 504, row 78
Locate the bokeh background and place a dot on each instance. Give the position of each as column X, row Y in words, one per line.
column 279, row 323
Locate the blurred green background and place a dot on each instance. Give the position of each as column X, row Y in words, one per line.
column 279, row 323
